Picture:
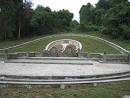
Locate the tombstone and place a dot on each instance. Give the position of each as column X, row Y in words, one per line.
column 53, row 52
column 60, row 49
column 70, row 51
column 64, row 48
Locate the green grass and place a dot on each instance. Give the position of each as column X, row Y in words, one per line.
column 8, row 43
column 123, row 43
column 111, row 90
column 89, row 44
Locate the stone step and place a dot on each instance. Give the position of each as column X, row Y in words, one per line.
column 57, row 58
column 65, row 79
column 112, row 75
column 65, row 82
column 51, row 61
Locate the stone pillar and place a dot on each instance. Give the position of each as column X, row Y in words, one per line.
column 129, row 58
column 78, row 53
column 104, row 57
column 62, row 86
column 95, row 84
column 5, row 54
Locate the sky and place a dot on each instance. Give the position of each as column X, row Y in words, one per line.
column 71, row 5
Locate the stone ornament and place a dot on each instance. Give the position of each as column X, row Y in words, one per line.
column 64, row 48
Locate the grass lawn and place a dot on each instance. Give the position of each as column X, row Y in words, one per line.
column 122, row 43
column 111, row 90
column 9, row 43
column 89, row 44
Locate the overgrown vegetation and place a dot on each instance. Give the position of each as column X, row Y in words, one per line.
column 112, row 17
column 19, row 20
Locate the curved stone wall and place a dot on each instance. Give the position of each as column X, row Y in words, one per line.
column 64, row 47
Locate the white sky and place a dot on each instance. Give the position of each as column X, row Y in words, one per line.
column 71, row 5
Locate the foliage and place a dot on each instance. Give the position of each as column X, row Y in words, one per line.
column 87, row 14
column 19, row 20
column 74, row 25
column 12, row 18
column 113, row 15
column 117, row 21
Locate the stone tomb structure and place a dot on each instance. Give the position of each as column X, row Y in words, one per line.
column 63, row 63
column 64, row 48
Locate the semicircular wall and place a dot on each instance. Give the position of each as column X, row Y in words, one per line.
column 64, row 46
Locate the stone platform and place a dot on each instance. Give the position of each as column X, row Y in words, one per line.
column 63, row 67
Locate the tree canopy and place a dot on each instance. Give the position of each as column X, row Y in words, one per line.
column 112, row 15
column 18, row 20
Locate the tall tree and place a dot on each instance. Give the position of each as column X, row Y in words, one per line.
column 19, row 14
column 87, row 14
column 7, row 19
column 117, row 19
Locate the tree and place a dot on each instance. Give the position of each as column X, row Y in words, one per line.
column 7, row 19
column 74, row 25
column 116, row 21
column 63, row 19
column 12, row 18
column 103, row 4
column 112, row 16
column 45, row 21
column 87, row 14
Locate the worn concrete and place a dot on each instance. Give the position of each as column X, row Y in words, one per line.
column 27, row 69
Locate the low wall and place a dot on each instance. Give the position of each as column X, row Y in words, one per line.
column 120, row 58
column 2, row 56
column 64, row 41
column 91, row 55
column 113, row 58
column 110, row 58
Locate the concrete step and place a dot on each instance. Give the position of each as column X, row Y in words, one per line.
column 65, row 79
column 57, row 58
column 64, row 82
column 51, row 61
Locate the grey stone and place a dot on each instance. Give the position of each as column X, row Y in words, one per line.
column 21, row 54
column 126, row 96
column 31, row 54
column 70, row 52
column 62, row 86
column 94, row 84
column 53, row 52
column 11, row 56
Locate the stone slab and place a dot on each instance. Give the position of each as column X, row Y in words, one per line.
column 126, row 96
column 25, row 69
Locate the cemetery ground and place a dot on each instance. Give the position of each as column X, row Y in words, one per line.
column 89, row 44
column 102, row 90
column 46, row 39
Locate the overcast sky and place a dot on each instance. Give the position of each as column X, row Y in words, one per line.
column 71, row 5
